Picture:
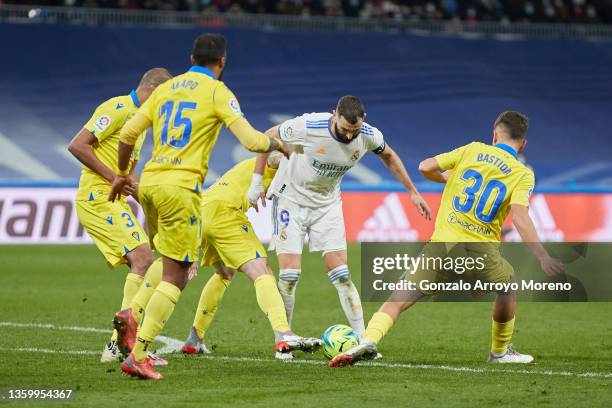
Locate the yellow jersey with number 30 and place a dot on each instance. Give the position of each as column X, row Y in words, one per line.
column 187, row 113
column 484, row 182
column 105, row 124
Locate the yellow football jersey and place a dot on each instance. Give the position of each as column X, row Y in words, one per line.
column 186, row 113
column 484, row 182
column 105, row 124
column 232, row 187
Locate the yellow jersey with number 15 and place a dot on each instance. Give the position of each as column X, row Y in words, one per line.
column 484, row 182
column 186, row 113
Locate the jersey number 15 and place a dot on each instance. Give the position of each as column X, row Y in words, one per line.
column 167, row 111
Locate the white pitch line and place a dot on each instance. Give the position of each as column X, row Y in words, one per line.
column 49, row 351
column 53, row 327
column 172, row 345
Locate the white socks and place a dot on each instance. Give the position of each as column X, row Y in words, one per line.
column 347, row 293
column 287, row 282
column 349, row 297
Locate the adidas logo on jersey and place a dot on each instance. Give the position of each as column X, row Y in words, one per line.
column 388, row 223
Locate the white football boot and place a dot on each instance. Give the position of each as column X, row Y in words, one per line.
column 283, row 356
column 111, row 353
column 290, row 343
column 511, row 356
column 363, row 351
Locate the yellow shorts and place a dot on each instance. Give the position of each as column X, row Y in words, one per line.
column 112, row 226
column 492, row 267
column 173, row 220
column 228, row 236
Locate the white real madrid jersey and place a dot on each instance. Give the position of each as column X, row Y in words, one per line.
column 312, row 175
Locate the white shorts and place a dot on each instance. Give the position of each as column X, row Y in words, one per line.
column 291, row 223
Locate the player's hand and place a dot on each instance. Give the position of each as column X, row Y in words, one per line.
column 285, row 150
column 117, row 188
column 277, row 144
column 551, row 266
column 132, row 187
column 256, row 191
column 193, row 271
column 421, row 205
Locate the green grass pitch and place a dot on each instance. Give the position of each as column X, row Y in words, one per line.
column 435, row 356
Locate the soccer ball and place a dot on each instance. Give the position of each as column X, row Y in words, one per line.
column 338, row 339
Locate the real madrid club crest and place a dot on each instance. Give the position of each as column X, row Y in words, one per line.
column 283, row 234
column 355, row 155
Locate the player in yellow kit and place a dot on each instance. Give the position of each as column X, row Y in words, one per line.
column 113, row 227
column 483, row 183
column 186, row 114
column 229, row 243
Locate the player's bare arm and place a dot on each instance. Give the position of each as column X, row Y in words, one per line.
column 122, row 179
column 132, row 187
column 81, row 147
column 430, row 169
column 395, row 165
column 129, row 134
column 524, row 225
column 256, row 190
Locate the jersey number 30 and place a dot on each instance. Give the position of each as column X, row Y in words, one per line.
column 167, row 111
column 473, row 194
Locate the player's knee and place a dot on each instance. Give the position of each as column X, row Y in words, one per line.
column 256, row 268
column 226, row 273
column 510, row 294
column 141, row 259
column 289, row 261
column 335, row 258
column 288, row 279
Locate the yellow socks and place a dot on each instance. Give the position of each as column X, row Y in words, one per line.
column 271, row 302
column 501, row 334
column 209, row 302
column 158, row 311
column 151, row 280
column 379, row 325
column 132, row 283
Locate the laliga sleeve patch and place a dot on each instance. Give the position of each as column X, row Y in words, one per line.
column 235, row 106
column 287, row 132
column 102, row 123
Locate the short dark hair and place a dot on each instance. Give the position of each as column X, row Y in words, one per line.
column 351, row 108
column 208, row 49
column 514, row 123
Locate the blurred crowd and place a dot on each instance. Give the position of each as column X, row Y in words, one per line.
column 576, row 11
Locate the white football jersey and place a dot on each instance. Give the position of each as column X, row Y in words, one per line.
column 312, row 175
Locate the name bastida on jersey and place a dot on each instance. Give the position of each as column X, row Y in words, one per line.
column 311, row 177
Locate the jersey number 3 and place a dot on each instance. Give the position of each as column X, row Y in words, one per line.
column 167, row 111
column 473, row 194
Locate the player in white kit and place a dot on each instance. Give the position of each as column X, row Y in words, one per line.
column 306, row 195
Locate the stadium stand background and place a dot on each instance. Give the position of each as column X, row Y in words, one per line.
column 583, row 11
column 426, row 93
